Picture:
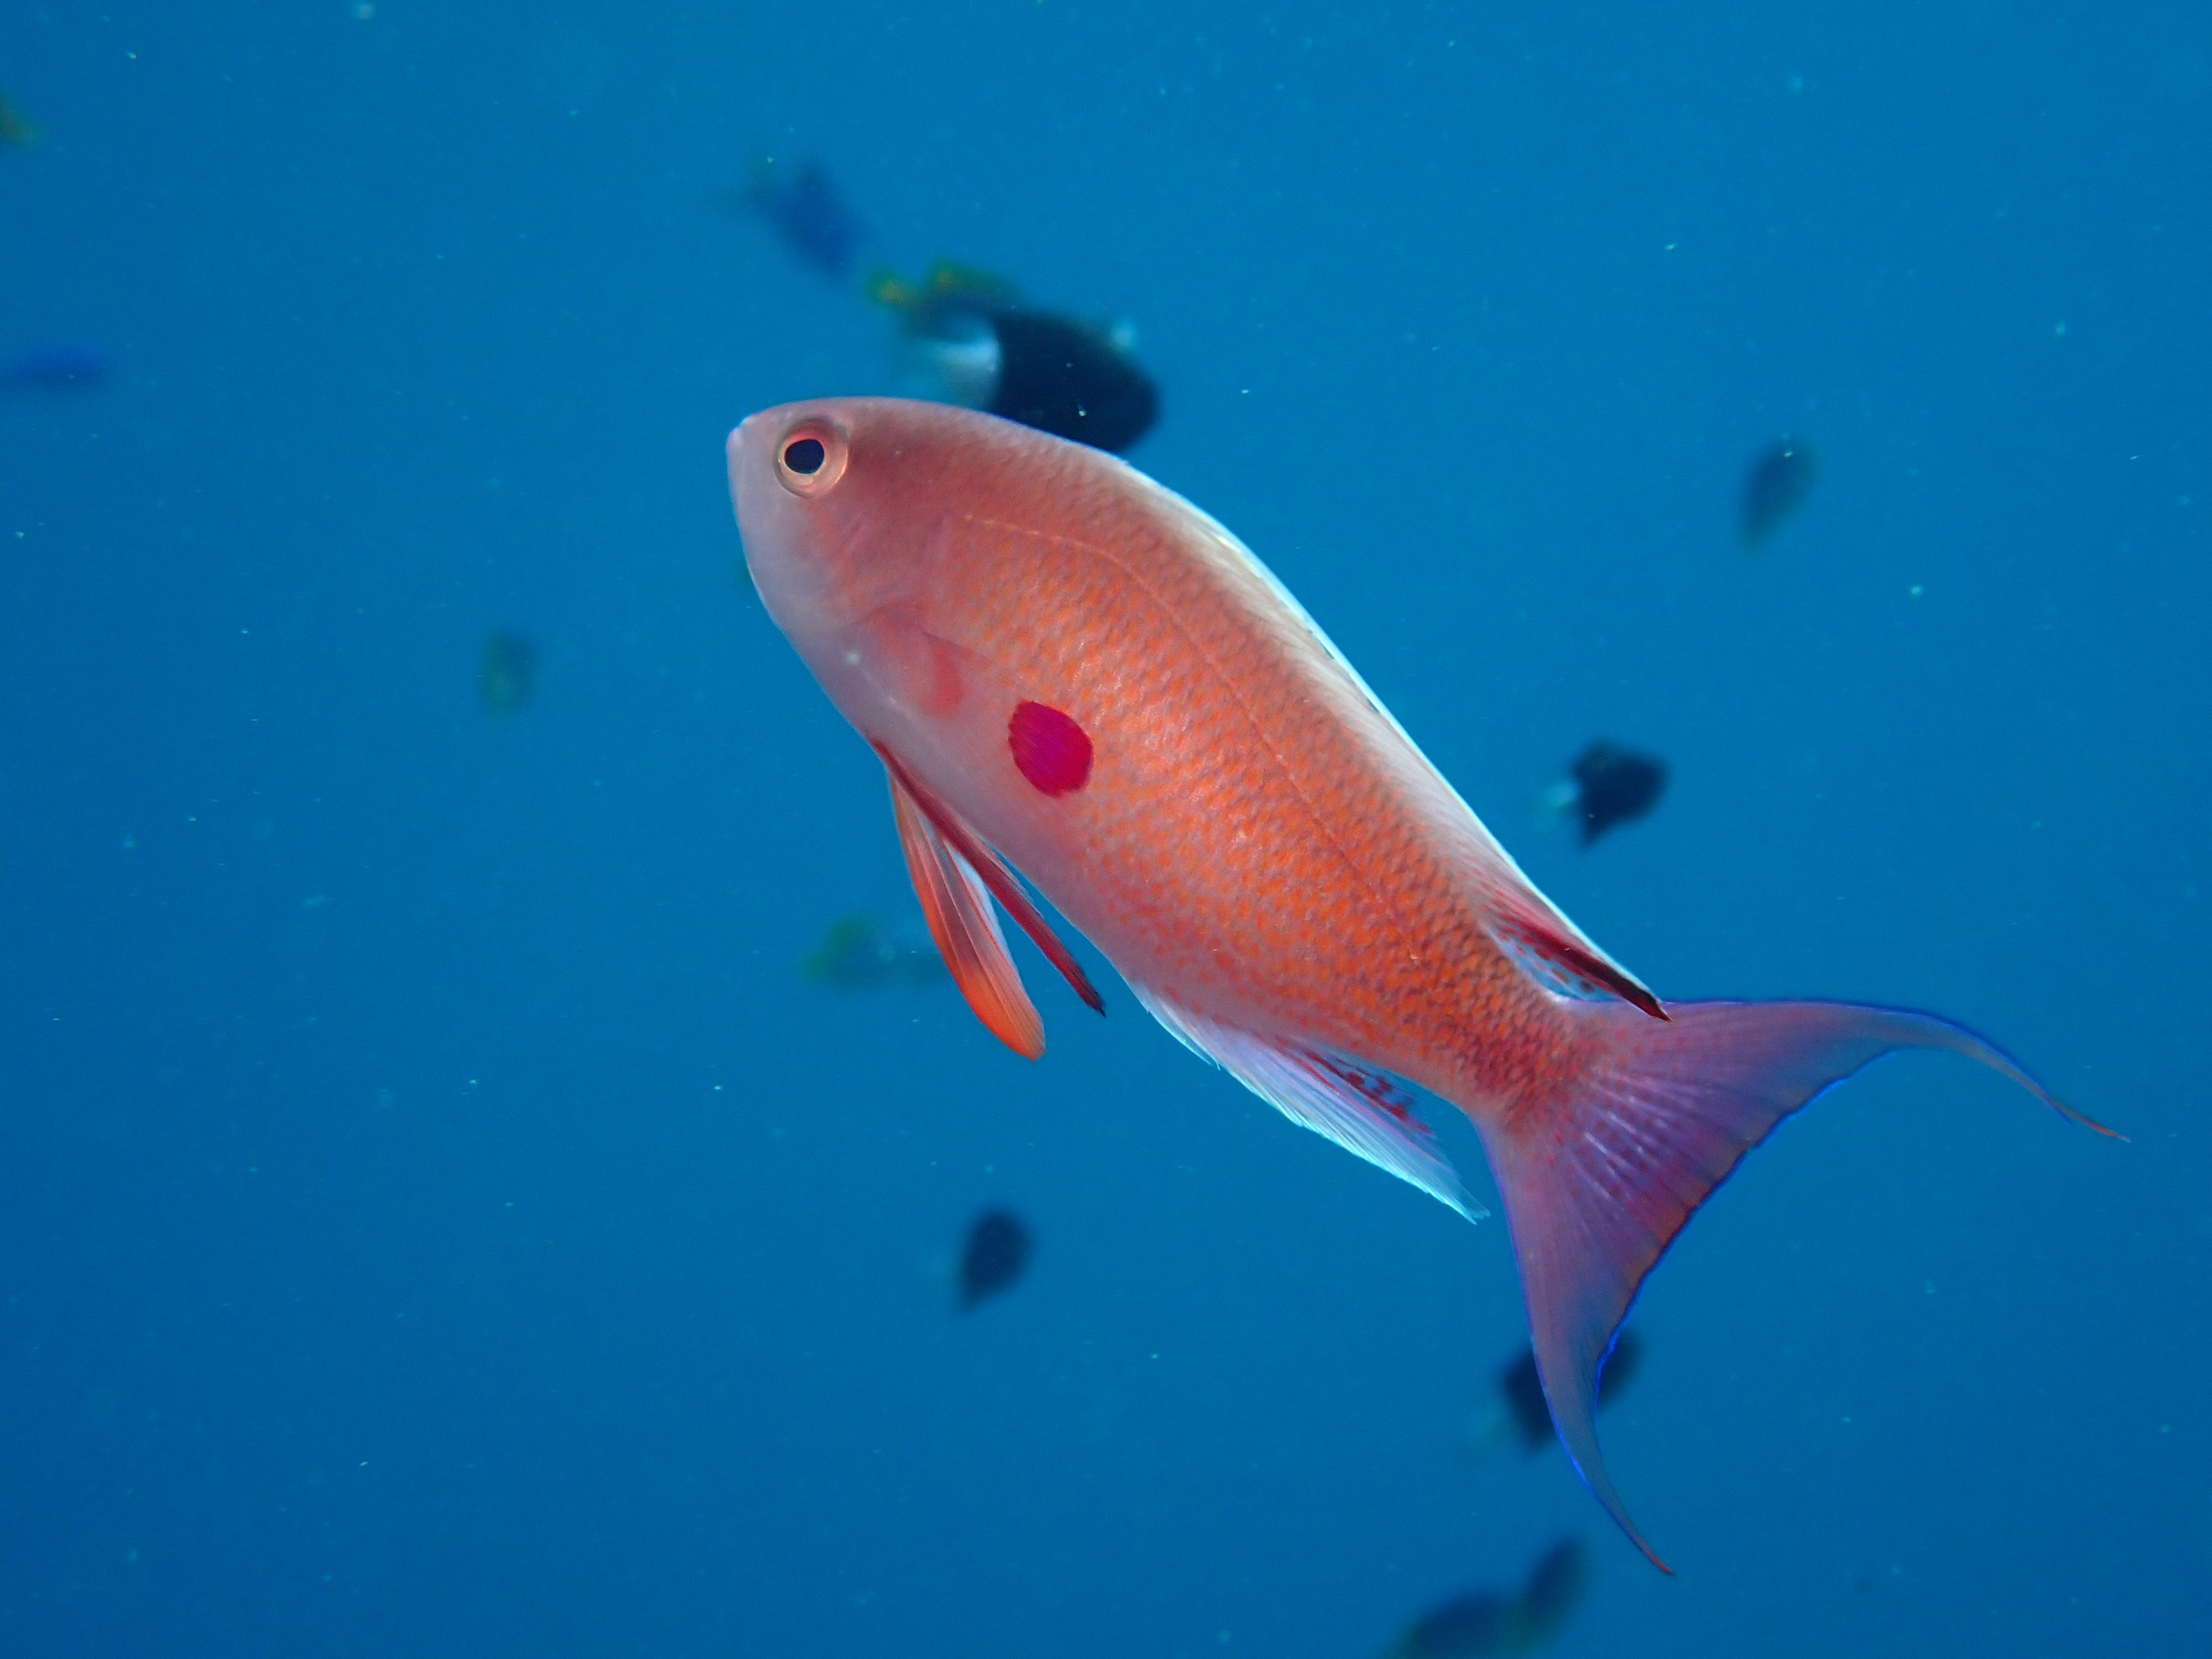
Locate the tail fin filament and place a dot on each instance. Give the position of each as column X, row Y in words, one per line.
column 1598, row 1183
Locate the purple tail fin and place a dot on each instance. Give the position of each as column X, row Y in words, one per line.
column 1598, row 1182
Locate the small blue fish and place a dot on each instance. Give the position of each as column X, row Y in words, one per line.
column 803, row 203
column 1780, row 479
column 63, row 365
column 996, row 1254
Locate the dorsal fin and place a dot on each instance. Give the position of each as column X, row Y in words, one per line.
column 1569, row 965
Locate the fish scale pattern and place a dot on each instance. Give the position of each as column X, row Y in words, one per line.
column 1317, row 883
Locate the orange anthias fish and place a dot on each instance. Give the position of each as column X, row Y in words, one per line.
column 1070, row 670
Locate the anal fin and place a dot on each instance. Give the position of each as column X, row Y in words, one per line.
column 966, row 929
column 1362, row 1110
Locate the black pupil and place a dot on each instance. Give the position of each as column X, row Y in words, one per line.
column 805, row 455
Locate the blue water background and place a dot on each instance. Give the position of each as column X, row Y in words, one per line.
column 436, row 1214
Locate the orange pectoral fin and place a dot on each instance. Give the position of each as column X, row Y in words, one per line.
column 965, row 927
column 991, row 871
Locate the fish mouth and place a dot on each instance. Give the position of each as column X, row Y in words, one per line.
column 749, row 497
column 745, row 443
column 751, row 485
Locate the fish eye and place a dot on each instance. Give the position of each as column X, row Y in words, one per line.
column 811, row 458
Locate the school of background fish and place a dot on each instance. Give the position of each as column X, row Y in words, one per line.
column 467, row 1196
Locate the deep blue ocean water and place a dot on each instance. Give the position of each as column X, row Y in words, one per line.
column 436, row 1213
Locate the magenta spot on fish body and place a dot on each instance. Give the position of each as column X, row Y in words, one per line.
column 1052, row 751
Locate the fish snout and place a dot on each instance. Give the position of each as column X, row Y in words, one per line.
column 786, row 464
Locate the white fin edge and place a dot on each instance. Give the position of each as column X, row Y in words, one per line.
column 1503, row 876
column 1299, row 1082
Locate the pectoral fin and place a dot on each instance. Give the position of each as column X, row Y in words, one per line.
column 957, row 875
column 966, row 929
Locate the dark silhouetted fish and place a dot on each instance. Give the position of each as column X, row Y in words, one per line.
column 1074, row 379
column 995, row 1256
column 803, row 203
column 1461, row 1627
column 1522, row 1412
column 1606, row 786
column 971, row 341
column 61, row 366
column 866, row 953
column 1556, row 1587
column 1488, row 1622
column 507, row 673
column 1781, row 477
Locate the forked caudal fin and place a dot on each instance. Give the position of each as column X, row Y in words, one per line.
column 1598, row 1180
